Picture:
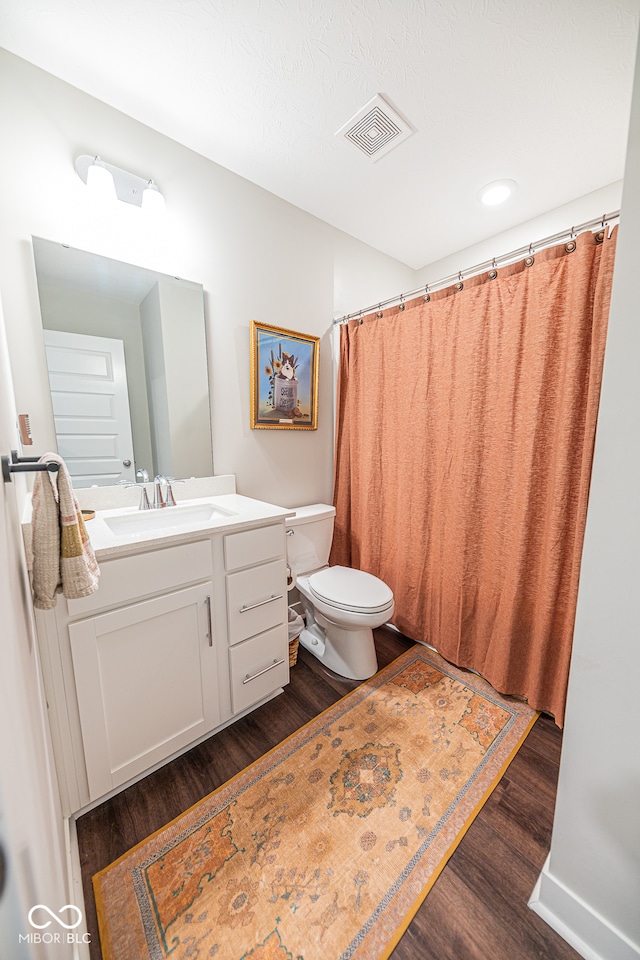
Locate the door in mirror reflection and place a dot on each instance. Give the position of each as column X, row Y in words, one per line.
column 88, row 381
column 159, row 320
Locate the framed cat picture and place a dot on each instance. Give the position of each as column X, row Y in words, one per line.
column 284, row 379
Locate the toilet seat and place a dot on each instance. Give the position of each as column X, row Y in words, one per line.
column 351, row 590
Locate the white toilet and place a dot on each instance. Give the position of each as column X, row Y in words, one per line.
column 341, row 605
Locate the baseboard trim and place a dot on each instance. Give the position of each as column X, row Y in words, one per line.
column 80, row 947
column 588, row 933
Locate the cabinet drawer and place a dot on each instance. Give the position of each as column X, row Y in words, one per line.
column 256, row 600
column 128, row 578
column 258, row 667
column 253, row 546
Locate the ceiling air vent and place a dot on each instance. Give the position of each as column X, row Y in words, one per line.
column 375, row 129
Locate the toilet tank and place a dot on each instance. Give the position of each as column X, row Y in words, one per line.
column 309, row 542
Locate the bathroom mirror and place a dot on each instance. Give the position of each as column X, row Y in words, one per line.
column 127, row 361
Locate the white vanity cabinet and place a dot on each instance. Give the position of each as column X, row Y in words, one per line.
column 256, row 600
column 178, row 640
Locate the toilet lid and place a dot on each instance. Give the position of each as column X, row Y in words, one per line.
column 349, row 589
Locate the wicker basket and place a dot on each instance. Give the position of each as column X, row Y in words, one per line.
column 296, row 623
column 293, row 650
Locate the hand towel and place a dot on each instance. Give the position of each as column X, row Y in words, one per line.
column 63, row 558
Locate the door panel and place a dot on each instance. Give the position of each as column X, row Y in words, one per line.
column 90, row 400
column 146, row 684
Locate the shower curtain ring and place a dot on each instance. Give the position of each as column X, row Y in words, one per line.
column 401, row 304
column 427, row 295
column 459, row 284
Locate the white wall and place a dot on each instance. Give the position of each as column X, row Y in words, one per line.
column 187, row 396
column 156, row 384
column 31, row 829
column 256, row 256
column 590, row 887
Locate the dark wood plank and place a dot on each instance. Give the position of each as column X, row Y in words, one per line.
column 477, row 907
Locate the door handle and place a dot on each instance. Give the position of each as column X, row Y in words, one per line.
column 126, row 463
column 209, row 634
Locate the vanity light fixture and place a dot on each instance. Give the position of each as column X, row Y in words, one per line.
column 496, row 192
column 140, row 191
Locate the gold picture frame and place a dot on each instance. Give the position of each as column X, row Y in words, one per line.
column 284, row 378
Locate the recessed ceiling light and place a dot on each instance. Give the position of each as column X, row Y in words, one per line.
column 497, row 192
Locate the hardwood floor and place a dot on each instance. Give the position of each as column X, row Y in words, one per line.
column 477, row 907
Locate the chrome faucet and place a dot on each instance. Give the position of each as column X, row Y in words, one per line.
column 168, row 500
column 144, row 497
column 158, row 499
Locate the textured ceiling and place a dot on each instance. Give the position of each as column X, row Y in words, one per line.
column 535, row 91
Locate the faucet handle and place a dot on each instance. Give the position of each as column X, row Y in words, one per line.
column 169, row 497
column 158, row 499
column 144, row 498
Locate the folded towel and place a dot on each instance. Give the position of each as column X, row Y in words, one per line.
column 63, row 557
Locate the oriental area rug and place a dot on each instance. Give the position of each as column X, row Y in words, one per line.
column 325, row 847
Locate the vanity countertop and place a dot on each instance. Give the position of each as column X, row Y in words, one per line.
column 231, row 512
column 119, row 531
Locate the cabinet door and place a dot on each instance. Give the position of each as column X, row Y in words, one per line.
column 146, row 683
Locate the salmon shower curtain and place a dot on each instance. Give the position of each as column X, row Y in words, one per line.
column 465, row 431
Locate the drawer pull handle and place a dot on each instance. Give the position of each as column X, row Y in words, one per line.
column 261, row 603
column 276, row 663
column 207, row 600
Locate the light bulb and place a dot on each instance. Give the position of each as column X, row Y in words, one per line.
column 100, row 181
column 152, row 199
column 497, row 192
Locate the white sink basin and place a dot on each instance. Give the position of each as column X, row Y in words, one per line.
column 169, row 518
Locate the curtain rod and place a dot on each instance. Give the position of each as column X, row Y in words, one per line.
column 481, row 267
